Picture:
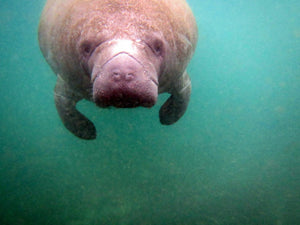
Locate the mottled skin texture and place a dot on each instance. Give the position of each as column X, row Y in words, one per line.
column 120, row 53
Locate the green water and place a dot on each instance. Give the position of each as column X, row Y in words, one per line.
column 233, row 159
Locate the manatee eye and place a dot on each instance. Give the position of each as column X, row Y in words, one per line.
column 86, row 49
column 158, row 47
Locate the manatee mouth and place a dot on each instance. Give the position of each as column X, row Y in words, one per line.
column 125, row 99
column 124, row 82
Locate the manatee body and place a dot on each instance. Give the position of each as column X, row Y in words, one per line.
column 119, row 53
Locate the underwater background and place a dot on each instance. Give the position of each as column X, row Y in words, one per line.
column 233, row 159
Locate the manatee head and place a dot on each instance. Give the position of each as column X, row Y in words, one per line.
column 124, row 72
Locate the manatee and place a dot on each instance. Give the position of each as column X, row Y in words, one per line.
column 118, row 53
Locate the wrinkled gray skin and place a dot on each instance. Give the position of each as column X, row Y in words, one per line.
column 119, row 53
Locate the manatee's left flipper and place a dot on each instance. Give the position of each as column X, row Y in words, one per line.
column 74, row 121
column 177, row 103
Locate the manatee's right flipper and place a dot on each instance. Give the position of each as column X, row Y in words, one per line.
column 74, row 121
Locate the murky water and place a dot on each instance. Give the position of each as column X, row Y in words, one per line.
column 232, row 159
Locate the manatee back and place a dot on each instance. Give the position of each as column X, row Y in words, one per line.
column 61, row 29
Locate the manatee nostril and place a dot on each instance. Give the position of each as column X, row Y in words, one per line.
column 129, row 76
column 116, row 76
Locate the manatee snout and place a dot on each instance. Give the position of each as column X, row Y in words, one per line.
column 125, row 82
